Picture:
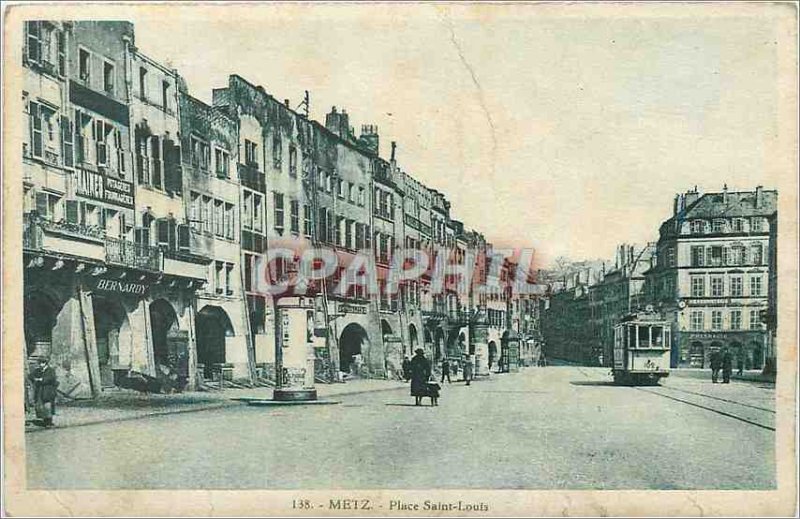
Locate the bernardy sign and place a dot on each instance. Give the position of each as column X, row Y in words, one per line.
column 121, row 287
column 104, row 188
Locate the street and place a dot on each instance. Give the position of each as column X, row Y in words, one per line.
column 542, row 428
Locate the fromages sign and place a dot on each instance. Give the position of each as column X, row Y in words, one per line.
column 105, row 188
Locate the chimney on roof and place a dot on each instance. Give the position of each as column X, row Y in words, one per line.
column 394, row 150
column 338, row 123
column 369, row 137
column 725, row 194
column 690, row 197
column 759, row 196
column 286, row 103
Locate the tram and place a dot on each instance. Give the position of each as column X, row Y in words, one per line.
column 641, row 349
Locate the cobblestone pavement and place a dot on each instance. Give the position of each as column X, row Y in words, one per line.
column 542, row 428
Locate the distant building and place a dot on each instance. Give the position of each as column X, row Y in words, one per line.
column 620, row 292
column 711, row 275
column 567, row 325
column 771, row 361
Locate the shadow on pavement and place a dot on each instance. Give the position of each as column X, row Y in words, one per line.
column 593, row 383
column 408, row 405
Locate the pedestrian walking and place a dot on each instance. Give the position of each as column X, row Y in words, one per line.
column 716, row 365
column 468, row 369
column 406, row 368
column 44, row 383
column 727, row 366
column 420, row 369
column 739, row 364
column 445, row 371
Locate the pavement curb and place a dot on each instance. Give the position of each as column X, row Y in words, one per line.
column 206, row 407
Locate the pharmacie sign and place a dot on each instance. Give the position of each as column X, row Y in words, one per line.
column 121, row 287
column 105, row 188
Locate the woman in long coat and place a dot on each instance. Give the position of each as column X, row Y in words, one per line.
column 420, row 373
column 44, row 391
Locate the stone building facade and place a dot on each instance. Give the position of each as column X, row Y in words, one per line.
column 148, row 213
column 711, row 275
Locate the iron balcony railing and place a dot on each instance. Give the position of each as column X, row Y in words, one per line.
column 130, row 254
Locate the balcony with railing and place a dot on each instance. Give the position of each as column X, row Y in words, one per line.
column 62, row 237
column 135, row 255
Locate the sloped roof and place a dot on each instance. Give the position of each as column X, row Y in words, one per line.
column 743, row 204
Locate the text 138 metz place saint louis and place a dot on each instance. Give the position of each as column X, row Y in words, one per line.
column 461, row 506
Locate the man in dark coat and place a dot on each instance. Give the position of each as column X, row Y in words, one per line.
column 406, row 368
column 727, row 366
column 420, row 373
column 44, row 391
column 446, row 370
column 716, row 364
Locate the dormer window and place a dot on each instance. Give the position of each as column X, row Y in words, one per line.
column 718, row 226
column 698, row 226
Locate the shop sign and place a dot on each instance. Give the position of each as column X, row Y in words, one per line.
column 352, row 309
column 718, row 335
column 121, row 287
column 104, row 188
column 709, row 302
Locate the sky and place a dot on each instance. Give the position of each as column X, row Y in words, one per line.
column 566, row 128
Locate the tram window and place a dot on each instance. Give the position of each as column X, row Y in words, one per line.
column 631, row 332
column 658, row 333
column 644, row 337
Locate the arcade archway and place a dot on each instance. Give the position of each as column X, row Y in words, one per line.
column 353, row 341
column 111, row 328
column 41, row 312
column 163, row 325
column 212, row 326
column 492, row 353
